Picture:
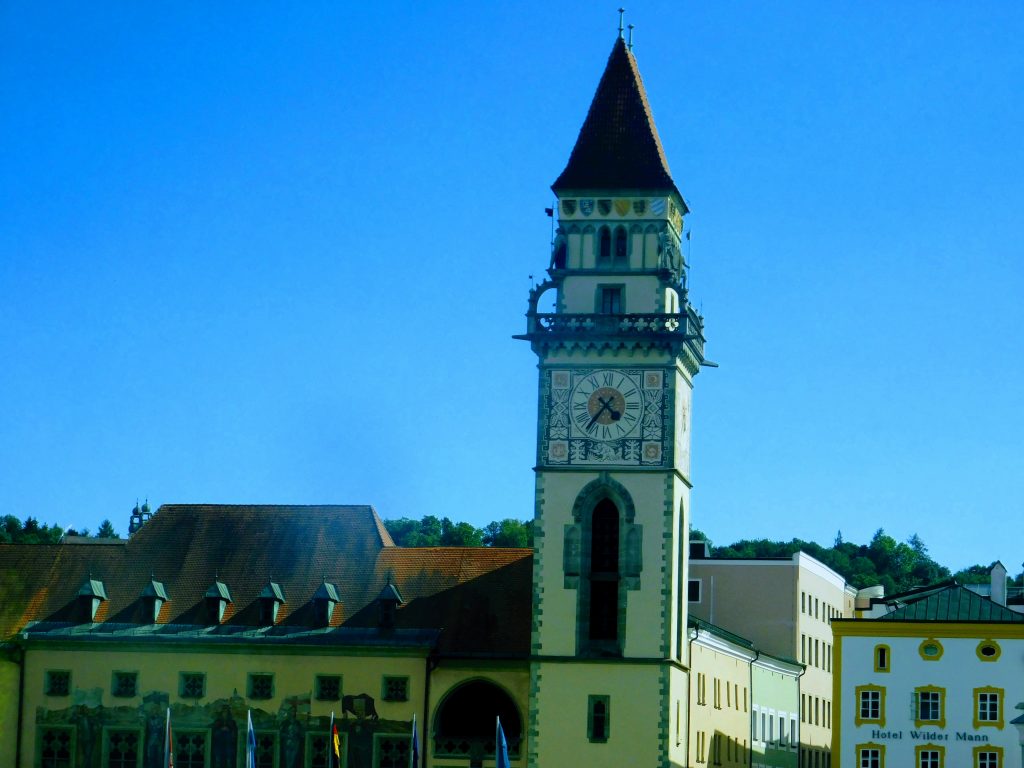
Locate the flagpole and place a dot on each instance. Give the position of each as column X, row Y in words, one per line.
column 412, row 753
column 330, row 742
column 168, row 746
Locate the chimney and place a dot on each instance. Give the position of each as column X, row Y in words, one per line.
column 998, row 575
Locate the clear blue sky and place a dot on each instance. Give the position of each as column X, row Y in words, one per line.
column 276, row 254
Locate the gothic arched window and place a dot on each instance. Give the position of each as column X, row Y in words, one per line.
column 621, row 249
column 604, row 247
column 603, row 619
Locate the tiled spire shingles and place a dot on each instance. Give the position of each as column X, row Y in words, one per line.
column 618, row 146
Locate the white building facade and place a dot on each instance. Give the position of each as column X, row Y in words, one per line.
column 936, row 682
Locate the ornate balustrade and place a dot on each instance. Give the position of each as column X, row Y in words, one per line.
column 683, row 327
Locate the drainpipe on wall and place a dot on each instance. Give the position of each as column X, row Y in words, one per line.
column 689, row 679
column 430, row 664
column 750, row 729
column 17, row 655
column 800, row 706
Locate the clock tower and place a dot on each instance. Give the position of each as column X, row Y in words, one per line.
column 617, row 357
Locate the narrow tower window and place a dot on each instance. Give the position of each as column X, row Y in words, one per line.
column 621, row 250
column 604, row 574
column 604, row 247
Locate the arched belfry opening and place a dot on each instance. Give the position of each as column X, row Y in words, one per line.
column 464, row 726
column 603, row 618
column 602, row 560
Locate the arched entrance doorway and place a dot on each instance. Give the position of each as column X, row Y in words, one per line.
column 464, row 726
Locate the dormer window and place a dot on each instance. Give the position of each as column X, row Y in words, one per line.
column 324, row 600
column 271, row 599
column 153, row 598
column 217, row 598
column 90, row 595
column 387, row 604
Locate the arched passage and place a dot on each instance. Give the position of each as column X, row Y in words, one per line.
column 464, row 726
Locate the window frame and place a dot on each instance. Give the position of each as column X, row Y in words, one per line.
column 48, row 682
column 378, row 737
column 317, row 692
column 72, row 732
column 989, row 690
column 869, row 746
column 592, row 700
column 109, row 730
column 940, row 721
column 394, row 678
column 690, row 584
column 920, row 749
column 250, row 681
column 114, row 678
column 182, row 679
column 610, row 289
column 207, row 743
column 858, row 718
column 925, row 643
column 979, row 750
column 988, row 642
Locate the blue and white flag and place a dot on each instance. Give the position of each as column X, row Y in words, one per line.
column 500, row 748
column 250, row 744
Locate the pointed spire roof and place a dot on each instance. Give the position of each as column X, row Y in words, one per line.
column 618, row 146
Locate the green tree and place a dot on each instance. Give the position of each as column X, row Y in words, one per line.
column 460, row 535
column 508, row 533
column 106, row 531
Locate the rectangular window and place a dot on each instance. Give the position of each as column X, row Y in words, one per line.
column 190, row 749
column 764, row 726
column 929, row 706
column 125, row 685
column 753, row 733
column 693, row 590
column 803, row 649
column 266, row 748
column 869, row 757
column 988, row 707
column 599, row 709
column 803, row 602
column 929, row 758
column 794, row 739
column 395, row 689
column 122, row 749
column 328, row 687
column 317, row 751
column 611, row 300
column 988, row 758
column 192, row 685
column 56, row 746
column 57, row 682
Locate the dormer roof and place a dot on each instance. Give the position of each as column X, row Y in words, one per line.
column 155, row 589
column 327, row 591
column 219, row 590
column 92, row 588
column 272, row 591
column 390, row 594
column 618, row 146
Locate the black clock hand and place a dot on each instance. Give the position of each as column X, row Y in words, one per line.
column 602, row 409
column 611, row 411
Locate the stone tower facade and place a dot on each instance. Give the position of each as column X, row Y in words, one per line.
column 617, row 358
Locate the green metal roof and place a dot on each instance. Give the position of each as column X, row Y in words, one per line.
column 949, row 602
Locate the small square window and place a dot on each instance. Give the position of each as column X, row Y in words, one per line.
column 395, row 689
column 58, row 682
column 328, row 687
column 192, row 685
column 261, row 686
column 611, row 300
column 125, row 685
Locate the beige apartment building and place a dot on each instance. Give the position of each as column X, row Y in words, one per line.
column 785, row 606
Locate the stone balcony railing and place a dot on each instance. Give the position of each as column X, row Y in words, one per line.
column 685, row 328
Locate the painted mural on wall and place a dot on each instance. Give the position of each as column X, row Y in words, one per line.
column 87, row 734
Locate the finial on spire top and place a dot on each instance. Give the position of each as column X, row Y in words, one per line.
column 621, row 12
column 630, row 41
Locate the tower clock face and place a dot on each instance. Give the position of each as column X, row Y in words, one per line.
column 606, row 405
column 606, row 416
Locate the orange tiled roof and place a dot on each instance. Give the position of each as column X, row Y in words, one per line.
column 188, row 547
